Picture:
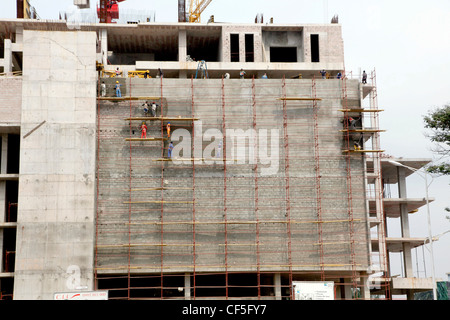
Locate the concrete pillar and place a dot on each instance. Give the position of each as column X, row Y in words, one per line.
column 104, row 46
column 182, row 45
column 7, row 56
column 241, row 47
column 187, row 286
column 277, row 285
column 404, row 219
column 182, row 52
column 365, row 288
column 3, row 163
column 348, row 285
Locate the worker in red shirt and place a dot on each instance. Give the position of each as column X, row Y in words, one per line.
column 143, row 131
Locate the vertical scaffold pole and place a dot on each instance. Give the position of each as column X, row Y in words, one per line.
column 162, row 188
column 318, row 176
column 256, row 200
column 130, row 200
column 225, row 187
column 349, row 187
column 193, row 189
column 286, row 179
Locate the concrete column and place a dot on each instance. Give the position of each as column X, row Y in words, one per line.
column 7, row 56
column 104, row 46
column 182, row 45
column 182, row 52
column 3, row 167
column 348, row 285
column 187, row 286
column 365, row 288
column 241, row 47
column 404, row 219
column 277, row 284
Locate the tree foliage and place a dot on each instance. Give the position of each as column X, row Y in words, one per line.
column 438, row 121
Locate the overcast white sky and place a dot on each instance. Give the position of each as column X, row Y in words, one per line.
column 407, row 42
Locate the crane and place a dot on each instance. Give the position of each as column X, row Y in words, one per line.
column 196, row 7
column 108, row 10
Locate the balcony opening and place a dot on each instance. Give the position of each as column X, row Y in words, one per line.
column 234, row 47
column 283, row 54
column 249, row 48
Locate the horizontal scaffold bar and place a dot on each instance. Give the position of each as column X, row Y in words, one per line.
column 157, row 201
column 195, row 159
column 145, row 139
column 364, row 130
column 300, row 99
column 127, row 245
column 162, row 118
column 362, row 151
column 158, row 188
column 361, row 110
column 127, row 98
column 241, row 222
column 228, row 267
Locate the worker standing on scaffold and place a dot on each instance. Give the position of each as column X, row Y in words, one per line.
column 168, row 130
column 154, row 109
column 169, row 150
column 118, row 92
column 143, row 130
column 242, row 74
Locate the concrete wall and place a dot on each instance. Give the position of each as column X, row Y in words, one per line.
column 237, row 225
column 10, row 102
column 55, row 231
column 331, row 44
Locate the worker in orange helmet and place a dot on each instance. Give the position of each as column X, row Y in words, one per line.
column 143, row 130
column 168, row 130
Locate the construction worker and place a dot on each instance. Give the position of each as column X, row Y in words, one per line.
column 147, row 74
column 146, row 108
column 264, row 76
column 143, row 130
column 324, row 74
column 242, row 74
column 168, row 130
column 160, row 74
column 339, row 75
column 103, row 89
column 118, row 72
column 153, row 109
column 117, row 87
column 169, row 150
column 364, row 77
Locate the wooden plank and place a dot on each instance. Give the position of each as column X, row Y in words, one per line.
column 127, row 98
column 161, row 119
column 300, row 99
column 360, row 110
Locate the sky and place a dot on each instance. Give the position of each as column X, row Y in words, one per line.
column 405, row 42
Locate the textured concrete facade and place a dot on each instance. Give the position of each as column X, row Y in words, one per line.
column 57, row 164
column 218, row 218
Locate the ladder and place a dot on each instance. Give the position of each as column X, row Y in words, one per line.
column 203, row 70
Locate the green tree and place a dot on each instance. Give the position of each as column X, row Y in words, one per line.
column 438, row 121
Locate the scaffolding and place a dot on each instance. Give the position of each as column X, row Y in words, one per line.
column 207, row 223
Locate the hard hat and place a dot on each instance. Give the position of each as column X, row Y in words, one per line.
column 117, row 81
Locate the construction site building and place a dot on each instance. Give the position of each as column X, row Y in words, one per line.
column 271, row 183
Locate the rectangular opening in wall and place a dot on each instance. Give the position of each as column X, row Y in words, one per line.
column 249, row 48
column 234, row 47
column 283, row 54
column 315, row 56
column 204, row 45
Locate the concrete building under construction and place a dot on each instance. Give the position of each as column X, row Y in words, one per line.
column 269, row 184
